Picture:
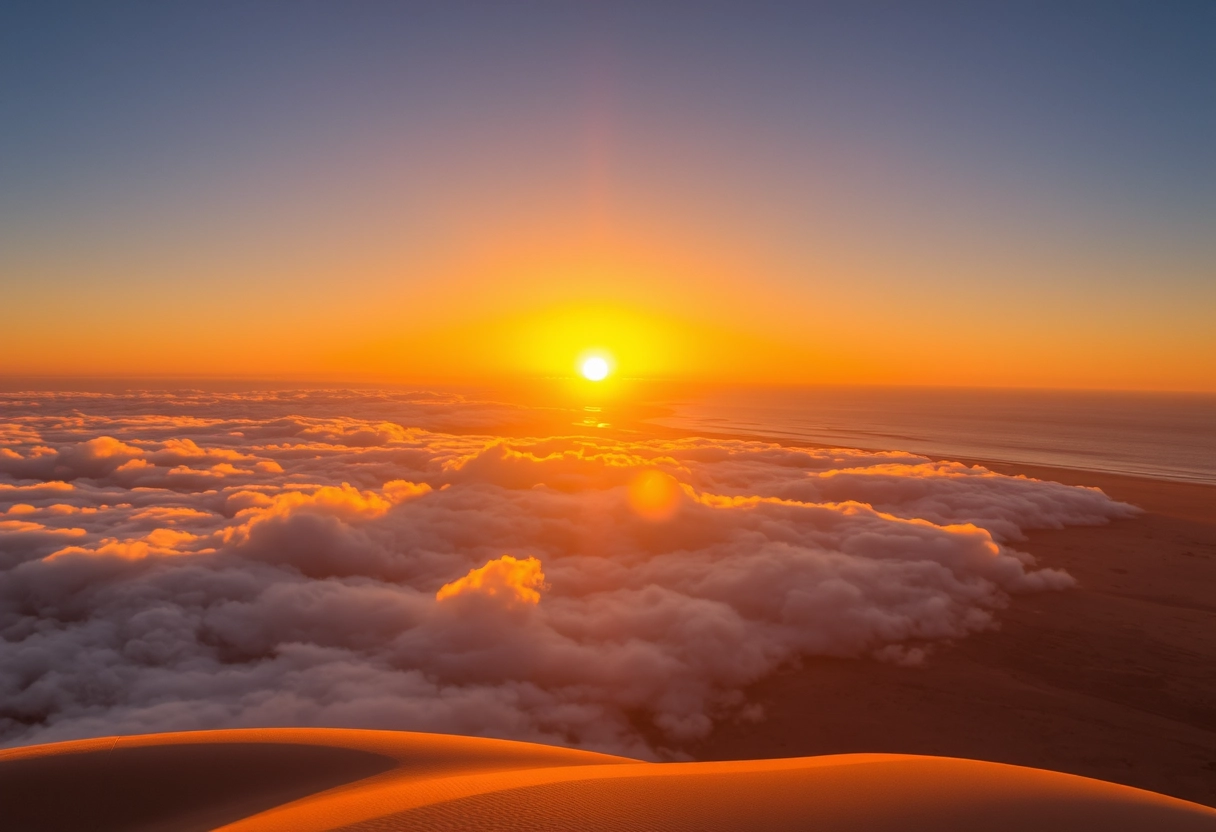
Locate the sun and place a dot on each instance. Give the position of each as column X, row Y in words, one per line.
column 594, row 368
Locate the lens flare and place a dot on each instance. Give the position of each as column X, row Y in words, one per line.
column 654, row 495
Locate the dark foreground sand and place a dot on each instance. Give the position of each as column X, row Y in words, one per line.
column 1115, row 679
column 307, row 780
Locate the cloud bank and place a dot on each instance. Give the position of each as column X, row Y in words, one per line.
column 172, row 562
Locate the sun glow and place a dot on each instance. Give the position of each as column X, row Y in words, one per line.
column 654, row 495
column 594, row 368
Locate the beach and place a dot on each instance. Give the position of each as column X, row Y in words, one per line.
column 1112, row 679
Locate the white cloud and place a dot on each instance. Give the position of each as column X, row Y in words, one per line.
column 193, row 561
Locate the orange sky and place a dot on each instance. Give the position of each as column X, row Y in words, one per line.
column 707, row 309
column 699, row 213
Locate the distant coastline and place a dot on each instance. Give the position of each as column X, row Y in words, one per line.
column 1150, row 435
column 1154, row 435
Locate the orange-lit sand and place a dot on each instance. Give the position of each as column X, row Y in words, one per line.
column 1112, row 679
column 307, row 780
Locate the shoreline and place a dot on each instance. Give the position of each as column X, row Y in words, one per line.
column 1112, row 679
column 1177, row 499
column 1124, row 482
column 993, row 463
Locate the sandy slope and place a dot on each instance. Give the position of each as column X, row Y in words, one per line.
column 319, row 779
column 1113, row 679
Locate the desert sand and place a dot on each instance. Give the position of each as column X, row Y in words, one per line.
column 308, row 780
column 1115, row 679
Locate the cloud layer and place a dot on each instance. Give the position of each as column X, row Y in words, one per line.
column 364, row 559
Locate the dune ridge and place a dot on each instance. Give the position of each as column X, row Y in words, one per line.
column 312, row 780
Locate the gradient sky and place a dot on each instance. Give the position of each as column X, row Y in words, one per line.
column 1009, row 193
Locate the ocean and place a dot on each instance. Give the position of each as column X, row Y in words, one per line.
column 1158, row 435
column 1169, row 436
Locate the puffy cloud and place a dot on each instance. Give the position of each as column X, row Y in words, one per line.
column 506, row 579
column 174, row 561
column 94, row 457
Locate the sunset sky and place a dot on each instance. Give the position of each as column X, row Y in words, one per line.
column 960, row 193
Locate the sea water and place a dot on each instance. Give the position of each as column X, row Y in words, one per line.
column 1158, row 435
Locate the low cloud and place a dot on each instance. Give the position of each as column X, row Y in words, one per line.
column 363, row 559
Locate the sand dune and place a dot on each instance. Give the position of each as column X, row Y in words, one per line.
column 308, row 780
